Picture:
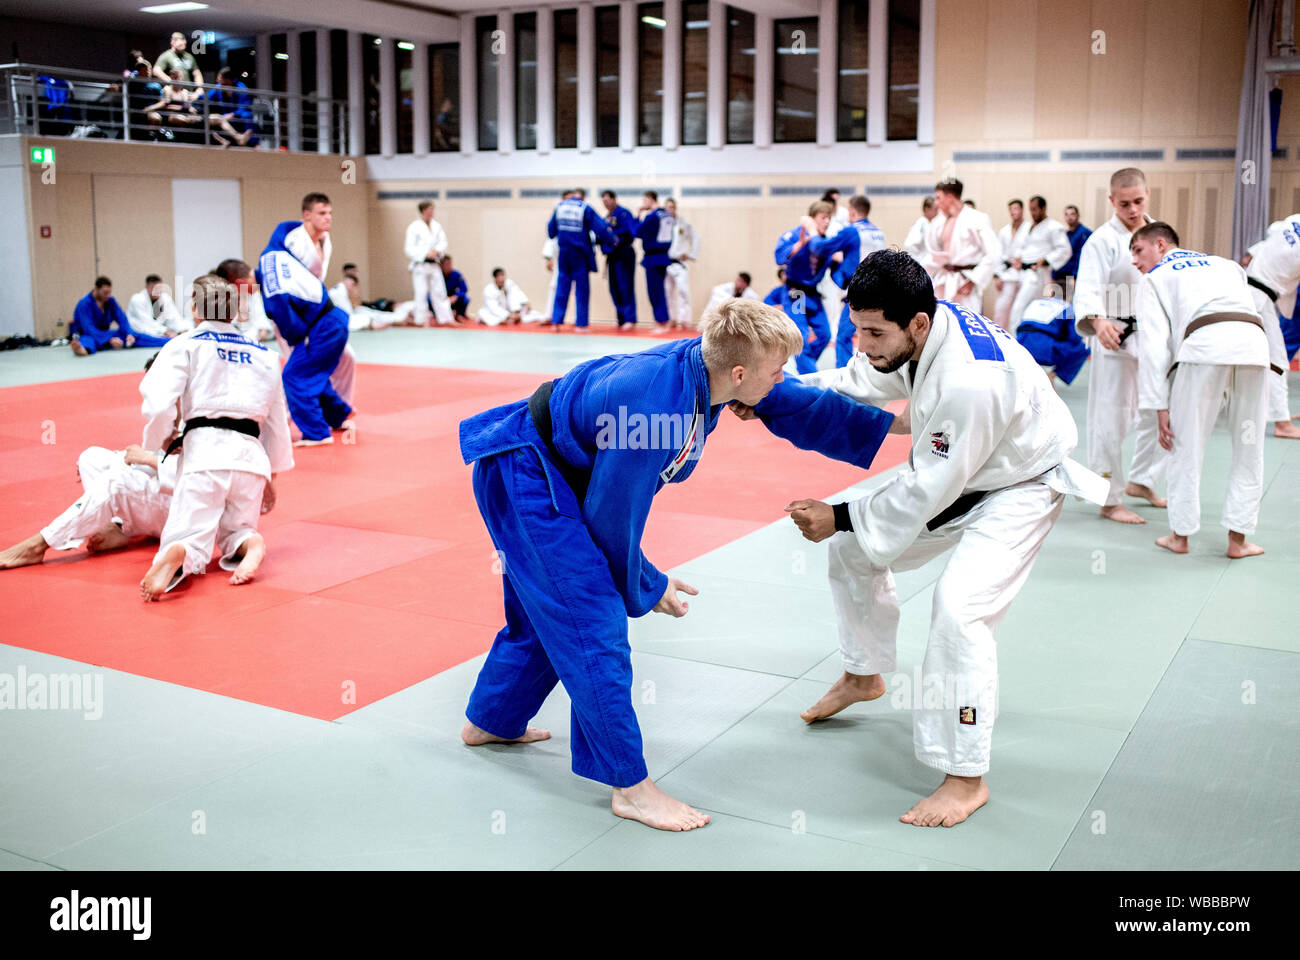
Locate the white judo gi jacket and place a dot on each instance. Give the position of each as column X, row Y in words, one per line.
column 215, row 371
column 974, row 246
column 303, row 247
column 984, row 417
column 1183, row 287
column 1275, row 262
column 1107, row 282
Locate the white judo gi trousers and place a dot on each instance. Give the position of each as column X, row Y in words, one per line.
column 1194, row 402
column 113, row 490
column 993, row 549
column 212, row 507
column 1031, row 286
column 677, row 290
column 430, row 286
column 1112, row 410
column 1279, row 401
column 1002, row 308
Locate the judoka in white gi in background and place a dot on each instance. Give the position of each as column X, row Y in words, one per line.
column 346, row 295
column 684, row 251
column 989, row 470
column 126, row 494
column 1043, row 246
column 549, row 251
column 1007, row 278
column 1196, row 316
column 915, row 240
column 1105, row 292
column 1274, row 273
column 961, row 249
column 153, row 311
column 226, row 477
column 740, row 287
column 503, row 301
column 424, row 246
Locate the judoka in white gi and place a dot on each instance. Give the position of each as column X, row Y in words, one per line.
column 1273, row 274
column 1007, row 279
column 425, row 245
column 1105, row 297
column 915, row 240
column 740, row 287
column 549, row 251
column 1199, row 329
column 684, row 251
column 990, row 469
column 1044, row 246
column 346, row 295
column 961, row 249
column 232, row 438
column 126, row 494
column 153, row 311
column 504, row 302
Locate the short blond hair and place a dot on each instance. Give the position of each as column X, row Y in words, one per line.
column 215, row 299
column 1128, row 177
column 821, row 206
column 737, row 332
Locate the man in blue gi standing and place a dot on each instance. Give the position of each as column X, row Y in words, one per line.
column 564, row 481
column 620, row 258
column 571, row 225
column 804, row 269
column 656, row 235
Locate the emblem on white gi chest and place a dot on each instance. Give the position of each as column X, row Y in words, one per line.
column 940, row 442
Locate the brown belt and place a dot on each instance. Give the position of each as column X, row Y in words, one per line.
column 1210, row 318
column 954, row 267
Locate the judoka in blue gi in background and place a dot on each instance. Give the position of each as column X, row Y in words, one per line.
column 620, row 257
column 565, row 481
column 804, row 269
column 457, row 288
column 778, row 295
column 98, row 323
column 656, row 235
column 301, row 309
column 572, row 225
column 1047, row 331
column 860, row 238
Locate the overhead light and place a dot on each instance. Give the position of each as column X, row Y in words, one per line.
column 655, row 22
column 405, row 45
column 697, row 24
column 282, row 56
column 174, row 8
column 378, row 41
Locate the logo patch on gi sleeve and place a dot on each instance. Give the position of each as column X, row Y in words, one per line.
column 966, row 715
column 940, row 442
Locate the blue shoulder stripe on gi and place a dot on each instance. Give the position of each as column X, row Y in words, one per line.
column 227, row 338
column 979, row 332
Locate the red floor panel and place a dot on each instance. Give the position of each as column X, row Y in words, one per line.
column 379, row 572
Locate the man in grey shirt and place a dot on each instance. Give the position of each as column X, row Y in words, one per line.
column 177, row 58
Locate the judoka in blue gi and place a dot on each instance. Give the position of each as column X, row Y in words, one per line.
column 804, row 269
column 564, row 481
column 571, row 225
column 777, row 296
column 656, row 235
column 855, row 242
column 1047, row 331
column 94, row 319
column 457, row 288
column 620, row 257
column 309, row 321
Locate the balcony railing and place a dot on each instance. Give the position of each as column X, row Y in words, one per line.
column 46, row 101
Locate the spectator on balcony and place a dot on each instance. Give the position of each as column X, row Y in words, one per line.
column 230, row 108
column 177, row 58
column 176, row 106
column 95, row 318
column 446, row 135
column 153, row 311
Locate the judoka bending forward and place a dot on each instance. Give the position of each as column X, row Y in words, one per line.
column 564, row 481
column 989, row 470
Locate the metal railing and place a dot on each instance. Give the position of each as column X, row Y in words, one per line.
column 37, row 100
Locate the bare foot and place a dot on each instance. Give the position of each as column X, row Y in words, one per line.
column 115, row 343
column 476, row 737
column 1121, row 514
column 650, row 805
column 849, row 689
column 955, row 800
column 1145, row 493
column 79, row 350
column 110, row 538
column 1239, row 548
column 1286, row 430
column 32, row 550
column 250, row 553
column 1173, row 543
column 159, row 577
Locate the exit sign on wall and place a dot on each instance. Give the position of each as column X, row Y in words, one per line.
column 42, row 154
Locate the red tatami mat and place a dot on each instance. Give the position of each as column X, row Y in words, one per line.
column 379, row 571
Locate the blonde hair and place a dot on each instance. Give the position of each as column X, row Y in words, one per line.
column 215, row 299
column 737, row 332
column 821, row 206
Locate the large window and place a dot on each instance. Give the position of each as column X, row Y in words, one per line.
column 370, row 64
column 795, row 99
column 607, row 76
column 650, row 43
column 566, row 78
column 444, row 97
column 279, row 60
column 904, row 67
column 695, row 71
column 851, row 85
column 403, row 59
column 525, row 81
column 487, row 48
column 740, row 76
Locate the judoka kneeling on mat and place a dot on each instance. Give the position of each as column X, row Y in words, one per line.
column 989, row 469
column 564, row 481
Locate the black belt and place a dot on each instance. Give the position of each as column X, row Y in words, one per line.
column 539, row 408
column 1130, row 327
column 247, row 427
column 1268, row 291
column 806, row 290
column 962, row 505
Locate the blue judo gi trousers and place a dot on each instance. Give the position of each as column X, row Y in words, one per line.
column 313, row 403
